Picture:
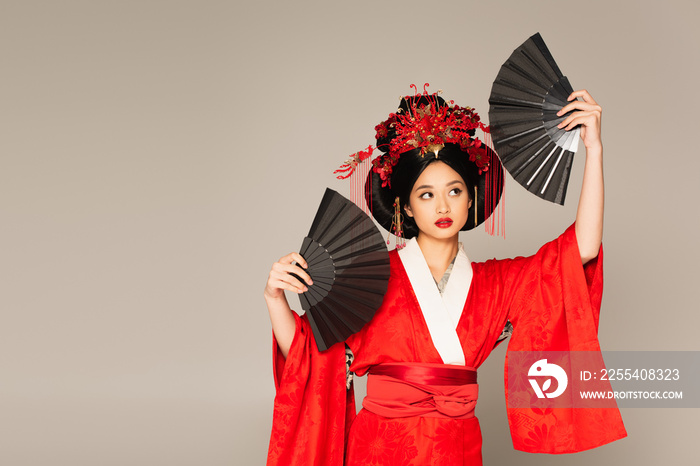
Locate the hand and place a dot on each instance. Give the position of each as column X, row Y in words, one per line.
column 280, row 278
column 588, row 116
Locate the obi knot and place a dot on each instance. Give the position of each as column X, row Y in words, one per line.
column 403, row 395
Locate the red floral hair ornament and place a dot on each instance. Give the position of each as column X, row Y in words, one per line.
column 348, row 168
column 427, row 127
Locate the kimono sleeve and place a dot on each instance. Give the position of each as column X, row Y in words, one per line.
column 556, row 308
column 313, row 409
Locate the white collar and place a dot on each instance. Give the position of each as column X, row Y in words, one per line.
column 441, row 313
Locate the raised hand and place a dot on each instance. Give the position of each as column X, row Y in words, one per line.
column 589, row 216
column 280, row 277
column 588, row 116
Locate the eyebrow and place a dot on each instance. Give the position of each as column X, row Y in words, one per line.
column 431, row 186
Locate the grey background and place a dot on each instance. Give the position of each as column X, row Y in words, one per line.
column 156, row 157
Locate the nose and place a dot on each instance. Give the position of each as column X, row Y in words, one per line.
column 442, row 206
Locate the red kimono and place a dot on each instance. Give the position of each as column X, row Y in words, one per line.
column 553, row 303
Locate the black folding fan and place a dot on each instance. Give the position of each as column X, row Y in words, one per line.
column 349, row 264
column 525, row 98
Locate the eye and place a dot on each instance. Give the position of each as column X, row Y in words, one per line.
column 425, row 195
column 455, row 192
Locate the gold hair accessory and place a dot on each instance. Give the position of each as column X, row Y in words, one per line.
column 397, row 225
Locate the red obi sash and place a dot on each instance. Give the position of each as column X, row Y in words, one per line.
column 418, row 389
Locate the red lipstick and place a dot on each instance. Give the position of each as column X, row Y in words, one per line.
column 444, row 222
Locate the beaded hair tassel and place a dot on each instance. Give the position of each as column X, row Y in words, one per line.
column 397, row 225
column 356, row 168
column 495, row 224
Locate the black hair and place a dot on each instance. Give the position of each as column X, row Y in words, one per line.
column 404, row 175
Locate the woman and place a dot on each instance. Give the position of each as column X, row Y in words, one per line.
column 442, row 315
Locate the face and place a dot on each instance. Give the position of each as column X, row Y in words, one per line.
column 439, row 202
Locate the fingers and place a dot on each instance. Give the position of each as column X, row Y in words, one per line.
column 588, row 103
column 589, row 112
column 280, row 276
column 588, row 119
column 284, row 281
column 584, row 95
column 295, row 269
column 290, row 267
column 294, row 257
column 580, row 105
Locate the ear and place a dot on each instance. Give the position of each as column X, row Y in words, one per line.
column 470, row 204
column 408, row 210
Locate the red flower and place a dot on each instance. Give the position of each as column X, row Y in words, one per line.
column 382, row 442
column 429, row 127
